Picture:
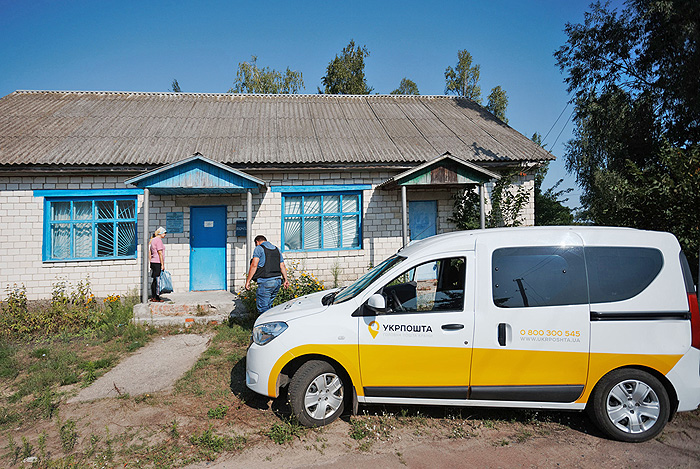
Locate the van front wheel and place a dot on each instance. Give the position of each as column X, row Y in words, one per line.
column 630, row 405
column 316, row 394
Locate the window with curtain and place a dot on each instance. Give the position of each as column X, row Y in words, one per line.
column 315, row 222
column 90, row 228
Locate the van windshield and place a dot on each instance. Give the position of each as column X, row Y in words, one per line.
column 361, row 283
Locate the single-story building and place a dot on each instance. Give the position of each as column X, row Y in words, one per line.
column 337, row 182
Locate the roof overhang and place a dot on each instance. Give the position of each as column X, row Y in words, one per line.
column 197, row 175
column 444, row 170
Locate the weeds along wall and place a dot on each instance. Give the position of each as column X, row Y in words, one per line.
column 22, row 230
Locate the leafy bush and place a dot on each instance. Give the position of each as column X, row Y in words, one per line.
column 301, row 283
column 69, row 311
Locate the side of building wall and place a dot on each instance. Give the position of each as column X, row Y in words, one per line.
column 22, row 225
column 21, row 241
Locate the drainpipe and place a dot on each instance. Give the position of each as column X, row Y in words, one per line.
column 404, row 218
column 145, row 251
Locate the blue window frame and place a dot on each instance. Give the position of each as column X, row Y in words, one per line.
column 321, row 221
column 80, row 228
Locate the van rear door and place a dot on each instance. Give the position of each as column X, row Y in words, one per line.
column 532, row 318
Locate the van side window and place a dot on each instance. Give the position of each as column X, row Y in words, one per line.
column 432, row 286
column 620, row 273
column 538, row 276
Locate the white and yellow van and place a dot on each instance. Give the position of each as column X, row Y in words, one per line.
column 603, row 319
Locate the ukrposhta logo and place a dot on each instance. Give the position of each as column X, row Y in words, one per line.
column 422, row 329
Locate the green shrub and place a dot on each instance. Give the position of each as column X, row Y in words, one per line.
column 69, row 311
column 301, row 283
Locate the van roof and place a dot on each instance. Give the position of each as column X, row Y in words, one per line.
column 589, row 235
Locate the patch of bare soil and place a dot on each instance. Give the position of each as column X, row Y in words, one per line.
column 484, row 440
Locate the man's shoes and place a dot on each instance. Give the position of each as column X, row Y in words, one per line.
column 156, row 300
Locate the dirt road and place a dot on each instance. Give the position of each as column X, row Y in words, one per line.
column 417, row 443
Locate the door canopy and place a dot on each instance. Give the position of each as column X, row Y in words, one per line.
column 197, row 175
column 445, row 170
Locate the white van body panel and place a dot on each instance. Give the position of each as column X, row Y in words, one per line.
column 685, row 381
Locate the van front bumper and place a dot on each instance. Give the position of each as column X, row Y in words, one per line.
column 259, row 364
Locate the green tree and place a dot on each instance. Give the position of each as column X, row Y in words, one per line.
column 406, row 87
column 498, row 102
column 345, row 74
column 508, row 200
column 634, row 75
column 463, row 80
column 252, row 79
column 649, row 51
column 175, row 86
column 549, row 204
column 466, row 212
column 537, row 138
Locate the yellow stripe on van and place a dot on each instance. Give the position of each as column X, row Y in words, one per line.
column 345, row 354
column 394, row 365
column 602, row 363
column 508, row 367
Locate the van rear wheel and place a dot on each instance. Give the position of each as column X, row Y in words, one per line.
column 316, row 393
column 630, row 405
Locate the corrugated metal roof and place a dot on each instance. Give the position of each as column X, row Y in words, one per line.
column 123, row 128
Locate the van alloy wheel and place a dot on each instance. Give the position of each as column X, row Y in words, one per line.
column 630, row 405
column 323, row 396
column 316, row 393
column 633, row 406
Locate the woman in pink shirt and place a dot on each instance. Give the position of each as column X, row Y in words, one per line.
column 157, row 260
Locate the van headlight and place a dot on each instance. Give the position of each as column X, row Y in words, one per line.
column 264, row 333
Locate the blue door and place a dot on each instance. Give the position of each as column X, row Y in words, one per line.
column 207, row 248
column 422, row 218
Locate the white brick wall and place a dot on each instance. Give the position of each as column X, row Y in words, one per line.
column 21, row 238
column 21, row 231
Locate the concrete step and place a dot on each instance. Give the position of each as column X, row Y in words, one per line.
column 212, row 307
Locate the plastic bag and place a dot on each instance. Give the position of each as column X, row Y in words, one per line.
column 165, row 282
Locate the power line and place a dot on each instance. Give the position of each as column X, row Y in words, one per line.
column 562, row 129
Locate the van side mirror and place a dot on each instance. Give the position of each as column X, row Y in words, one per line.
column 377, row 303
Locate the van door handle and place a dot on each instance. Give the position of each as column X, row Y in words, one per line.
column 452, row 327
column 502, row 334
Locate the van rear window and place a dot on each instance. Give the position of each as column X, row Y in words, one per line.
column 538, row 276
column 620, row 273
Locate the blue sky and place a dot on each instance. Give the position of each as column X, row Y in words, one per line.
column 142, row 45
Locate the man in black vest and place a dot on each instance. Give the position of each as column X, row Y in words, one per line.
column 268, row 270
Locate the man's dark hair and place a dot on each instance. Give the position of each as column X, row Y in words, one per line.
column 259, row 238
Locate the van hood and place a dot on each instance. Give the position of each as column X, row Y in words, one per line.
column 296, row 308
